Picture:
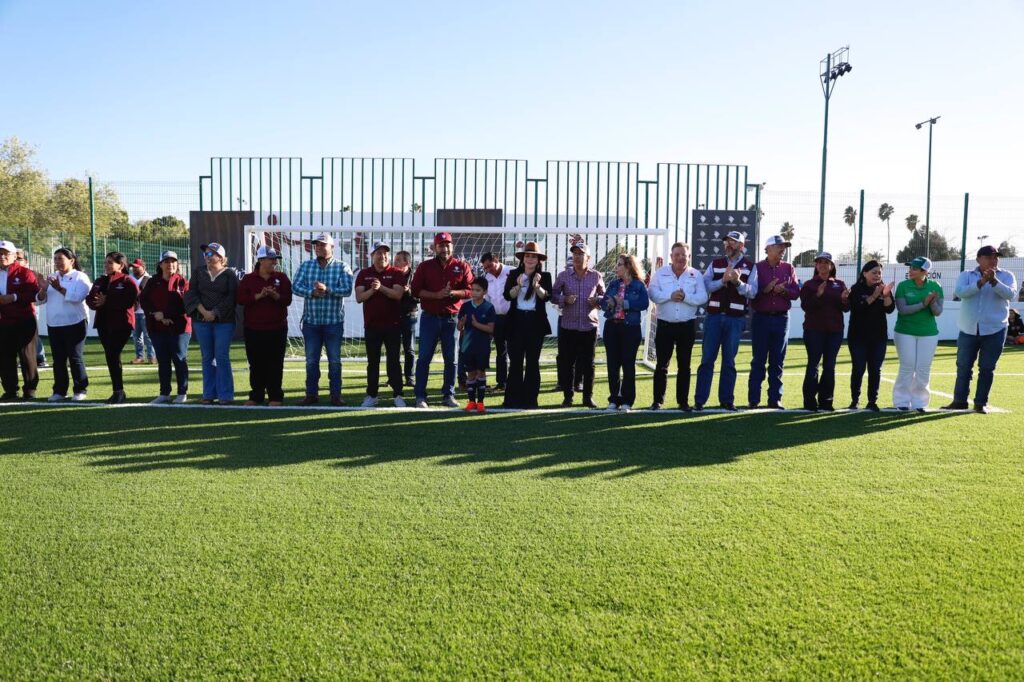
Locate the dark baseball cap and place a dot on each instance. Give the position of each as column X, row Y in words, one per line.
column 988, row 250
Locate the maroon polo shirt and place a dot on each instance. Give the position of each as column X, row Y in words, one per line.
column 265, row 314
column 431, row 275
column 379, row 311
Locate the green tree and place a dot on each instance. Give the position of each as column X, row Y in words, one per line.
column 850, row 218
column 787, row 231
column 939, row 248
column 805, row 258
column 912, row 221
column 875, row 255
column 66, row 210
column 165, row 228
column 23, row 185
column 1007, row 250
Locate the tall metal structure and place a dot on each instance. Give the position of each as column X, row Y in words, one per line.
column 928, row 197
column 832, row 68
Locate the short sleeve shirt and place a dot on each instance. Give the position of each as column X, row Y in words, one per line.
column 921, row 323
column 379, row 311
column 473, row 338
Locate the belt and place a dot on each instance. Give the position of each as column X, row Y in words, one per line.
column 774, row 313
column 526, row 312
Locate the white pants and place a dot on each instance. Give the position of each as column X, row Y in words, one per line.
column 915, row 353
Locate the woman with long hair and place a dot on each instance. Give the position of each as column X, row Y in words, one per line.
column 824, row 300
column 163, row 301
column 870, row 302
column 64, row 293
column 527, row 290
column 623, row 302
column 113, row 297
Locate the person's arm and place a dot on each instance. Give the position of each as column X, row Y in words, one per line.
column 656, row 291
column 752, row 287
column 246, row 294
column 395, row 293
column 344, row 287
column 936, row 306
column 486, row 326
column 191, row 297
column 285, row 293
column 467, row 284
column 131, row 293
column 844, row 301
column 710, row 283
column 635, row 298
column 904, row 308
column 1002, row 288
column 543, row 288
column 91, row 300
column 558, row 290
column 302, row 284
column 699, row 296
column 512, row 282
column 809, row 299
column 78, row 289
column 965, row 288
column 792, row 287
column 599, row 291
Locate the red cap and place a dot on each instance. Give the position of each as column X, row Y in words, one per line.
column 442, row 237
column 139, row 263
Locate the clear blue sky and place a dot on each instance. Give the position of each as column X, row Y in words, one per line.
column 149, row 91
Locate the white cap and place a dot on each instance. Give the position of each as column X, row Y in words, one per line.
column 168, row 255
column 267, row 252
column 324, row 238
column 8, row 246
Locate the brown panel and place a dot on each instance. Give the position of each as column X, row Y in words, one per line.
column 224, row 227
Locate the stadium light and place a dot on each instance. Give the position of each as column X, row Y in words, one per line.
column 832, row 67
column 928, row 197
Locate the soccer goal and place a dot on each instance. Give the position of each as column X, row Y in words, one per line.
column 353, row 245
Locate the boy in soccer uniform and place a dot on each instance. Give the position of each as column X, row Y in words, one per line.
column 476, row 322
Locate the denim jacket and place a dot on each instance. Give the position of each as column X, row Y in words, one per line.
column 634, row 301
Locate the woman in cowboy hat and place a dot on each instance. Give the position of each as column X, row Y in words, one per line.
column 527, row 289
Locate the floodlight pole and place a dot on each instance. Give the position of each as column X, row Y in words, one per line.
column 829, row 78
column 928, row 197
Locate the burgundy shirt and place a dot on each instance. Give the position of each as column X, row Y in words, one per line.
column 167, row 297
column 265, row 314
column 379, row 311
column 823, row 313
column 769, row 301
column 431, row 275
column 21, row 281
column 118, row 312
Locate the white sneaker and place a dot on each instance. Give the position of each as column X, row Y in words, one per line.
column 369, row 401
column 612, row 407
column 180, row 398
column 399, row 401
column 55, row 398
column 625, row 408
column 451, row 402
column 160, row 400
column 421, row 404
column 79, row 397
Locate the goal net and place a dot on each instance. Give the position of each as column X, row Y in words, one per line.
column 353, row 245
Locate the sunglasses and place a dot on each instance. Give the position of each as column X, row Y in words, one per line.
column 210, row 254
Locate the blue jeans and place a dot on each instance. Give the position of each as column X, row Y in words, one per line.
column 720, row 332
column 870, row 355
column 317, row 337
column 215, row 348
column 769, row 336
column 171, row 349
column 822, row 349
column 141, row 337
column 432, row 330
column 986, row 351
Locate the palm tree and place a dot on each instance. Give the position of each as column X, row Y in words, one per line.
column 850, row 218
column 875, row 255
column 787, row 231
column 885, row 212
column 912, row 222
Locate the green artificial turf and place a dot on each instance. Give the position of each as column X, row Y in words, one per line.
column 164, row 542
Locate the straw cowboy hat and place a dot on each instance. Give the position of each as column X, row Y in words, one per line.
column 531, row 247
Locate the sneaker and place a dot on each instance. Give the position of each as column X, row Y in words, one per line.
column 921, row 410
column 753, row 406
column 854, row 405
column 772, row 405
column 955, row 406
column 161, row 400
column 654, row 407
column 410, row 382
column 55, row 398
column 590, row 404
column 138, row 361
column 79, row 397
column 421, row 404
column 42, row 364
column 685, row 408
column 567, row 402
column 471, row 406
column 180, row 399
column 625, row 408
column 827, row 407
column 400, row 401
column 369, row 401
column 309, row 400
column 728, row 407
column 981, row 409
column 699, row 407
column 480, row 409
column 612, row 407
column 151, row 361
column 450, row 402
column 275, row 403
column 903, row 409
column 9, row 397
column 116, row 398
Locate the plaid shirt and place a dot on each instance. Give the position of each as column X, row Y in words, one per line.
column 330, row 308
column 579, row 316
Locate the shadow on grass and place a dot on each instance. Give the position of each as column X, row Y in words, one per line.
column 556, row 445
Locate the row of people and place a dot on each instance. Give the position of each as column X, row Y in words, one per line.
column 173, row 308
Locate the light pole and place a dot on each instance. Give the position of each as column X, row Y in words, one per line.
column 832, row 67
column 928, row 197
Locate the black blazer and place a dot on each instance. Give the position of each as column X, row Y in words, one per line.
column 542, row 304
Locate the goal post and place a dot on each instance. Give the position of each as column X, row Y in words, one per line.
column 353, row 245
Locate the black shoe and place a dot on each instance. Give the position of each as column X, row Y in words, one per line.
column 410, row 382
column 903, row 409
column 567, row 402
column 698, row 408
column 921, row 410
column 772, row 405
column 981, row 409
column 685, row 408
column 854, row 405
column 754, row 406
column 655, row 407
column 955, row 406
column 116, row 398
column 810, row 407
column 589, row 403
column 729, row 407
column 558, row 388
column 872, row 406
column 498, row 388
column 827, row 407
column 9, row 397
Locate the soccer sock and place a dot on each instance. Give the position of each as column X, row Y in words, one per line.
column 471, row 390
column 481, row 390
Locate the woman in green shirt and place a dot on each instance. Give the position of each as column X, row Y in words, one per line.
column 918, row 303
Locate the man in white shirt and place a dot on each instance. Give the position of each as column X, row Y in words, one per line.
column 496, row 273
column 140, row 335
column 678, row 291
